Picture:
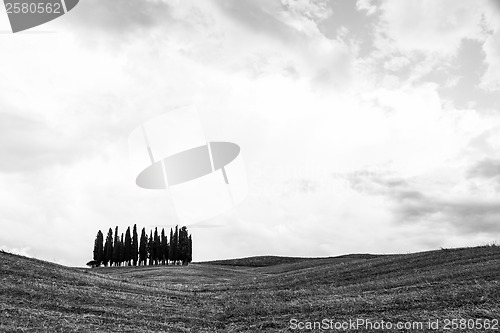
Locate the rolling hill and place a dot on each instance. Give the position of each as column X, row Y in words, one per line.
column 253, row 294
column 263, row 261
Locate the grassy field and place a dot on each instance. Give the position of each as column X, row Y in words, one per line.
column 264, row 261
column 256, row 294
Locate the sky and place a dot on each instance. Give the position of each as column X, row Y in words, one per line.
column 365, row 126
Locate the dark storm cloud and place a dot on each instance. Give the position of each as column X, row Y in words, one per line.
column 410, row 204
column 120, row 17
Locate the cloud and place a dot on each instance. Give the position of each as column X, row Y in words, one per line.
column 487, row 168
column 366, row 5
column 491, row 78
column 467, row 216
column 396, row 63
column 461, row 80
column 455, row 44
column 262, row 17
column 252, row 37
column 28, row 144
column 430, row 26
column 414, row 201
column 120, row 18
column 351, row 24
column 485, row 143
column 291, row 33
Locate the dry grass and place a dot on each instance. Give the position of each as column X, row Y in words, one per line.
column 43, row 297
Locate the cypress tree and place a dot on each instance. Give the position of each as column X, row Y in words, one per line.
column 157, row 247
column 167, row 247
column 164, row 247
column 143, row 252
column 182, row 252
column 121, row 254
column 151, row 248
column 116, row 248
column 171, row 246
column 190, row 249
column 135, row 246
column 108, row 248
column 175, row 243
column 98, row 249
column 128, row 247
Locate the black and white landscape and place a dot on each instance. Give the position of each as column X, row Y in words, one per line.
column 367, row 131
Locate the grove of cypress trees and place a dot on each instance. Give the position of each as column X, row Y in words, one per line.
column 135, row 246
column 98, row 248
column 153, row 250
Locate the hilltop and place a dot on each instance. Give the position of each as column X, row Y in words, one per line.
column 39, row 296
column 264, row 261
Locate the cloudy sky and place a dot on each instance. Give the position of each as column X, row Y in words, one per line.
column 365, row 126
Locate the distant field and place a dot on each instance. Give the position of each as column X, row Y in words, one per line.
column 264, row 261
column 252, row 294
